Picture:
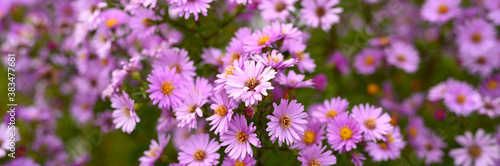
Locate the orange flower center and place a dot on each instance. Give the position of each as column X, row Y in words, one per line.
column 285, row 121
column 370, row 123
column 221, row 111
column 167, row 88
column 443, row 9
column 199, row 155
column 241, row 137
column 309, row 137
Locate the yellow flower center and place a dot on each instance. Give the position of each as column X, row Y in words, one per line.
column 413, row 132
column 251, row 83
column 492, row 84
column 369, row 60
column 239, row 163
column 331, row 113
column 234, row 56
column 241, row 136
column 229, row 70
column 152, row 152
column 370, row 123
column 221, row 111
column 461, row 98
column 112, row 22
column 167, row 88
column 384, row 41
column 285, row 121
column 443, row 9
column 263, row 40
column 309, row 137
column 199, row 155
column 314, row 162
column 345, row 133
column 383, row 145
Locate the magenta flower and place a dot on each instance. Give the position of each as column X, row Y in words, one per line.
column 178, row 59
column 491, row 86
column 259, row 40
column 195, row 7
column 155, row 150
column 316, row 155
column 276, row 10
column 223, row 112
column 320, row 81
column 440, row 11
column 343, row 133
column 430, row 146
column 313, row 135
column 461, row 98
column 389, row 149
column 357, row 158
column 478, row 149
column 340, row 62
column 82, row 107
column 288, row 122
column 404, row 56
column 124, row 115
column 199, row 150
column 250, row 83
column 304, row 62
column 274, row 59
column 491, row 107
column 112, row 18
column 248, row 161
column 476, row 37
column 186, row 112
column 320, row 13
column 367, row 61
column 165, row 87
column 374, row 123
column 494, row 10
column 330, row 109
column 483, row 64
column 239, row 137
column 293, row 80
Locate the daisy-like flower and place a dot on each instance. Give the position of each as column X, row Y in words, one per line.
column 141, row 23
column 288, row 122
column 494, row 10
column 440, row 11
column 223, row 112
column 461, row 98
column 186, row 112
column 82, row 107
column 195, row 7
column 316, row 155
column 330, row 109
column 491, row 86
column 112, row 18
column 251, row 83
column 478, row 149
column 259, row 40
column 166, row 87
column 374, row 123
column 248, row 161
column 343, row 133
column 404, row 56
column 389, row 149
column 276, row 9
column 124, row 115
column 155, row 150
column 313, row 135
column 491, row 107
column 415, row 130
column 476, row 37
column 293, row 80
column 274, row 59
column 199, row 150
column 482, row 64
column 304, row 61
column 367, row 61
column 430, row 147
column 178, row 59
column 357, row 158
column 320, row 13
column 239, row 137
column 213, row 56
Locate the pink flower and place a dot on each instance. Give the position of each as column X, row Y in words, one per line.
column 320, row 13
column 155, row 150
column 293, row 80
column 478, row 149
column 239, row 137
column 316, row 155
column 343, row 133
column 273, row 10
column 223, row 112
column 186, row 112
column 330, row 109
column 124, row 115
column 288, row 122
column 199, row 150
column 374, row 123
column 165, row 87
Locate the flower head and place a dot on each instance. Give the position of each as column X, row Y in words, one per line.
column 165, row 87
column 293, row 80
column 404, row 56
column 478, row 149
column 390, row 149
column 367, row 61
column 476, row 37
column 320, row 13
column 440, row 11
column 343, row 133
column 313, row 135
column 223, row 112
column 124, row 115
column 199, row 150
column 461, row 98
column 155, row 150
column 239, row 137
column 191, row 107
column 374, row 123
column 288, row 122
column 316, row 155
column 330, row 109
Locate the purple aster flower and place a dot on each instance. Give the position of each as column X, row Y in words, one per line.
column 320, row 81
column 178, row 59
column 389, row 149
column 165, row 87
column 482, row 64
column 288, row 122
column 293, row 80
column 213, row 56
column 357, row 158
column 124, row 115
column 276, row 10
column 320, row 13
column 166, row 122
column 239, row 137
column 201, row 85
column 248, row 161
column 191, row 107
column 313, row 135
column 415, row 129
column 274, row 59
column 339, row 61
column 343, row 133
column 374, row 122
column 404, row 56
column 221, row 80
column 430, row 146
column 478, row 149
column 113, row 18
column 47, row 144
column 155, row 150
column 199, row 150
column 494, row 10
column 491, row 107
column 440, row 11
column 304, row 61
column 141, row 23
column 382, row 41
column 82, row 107
column 491, row 86
column 105, row 121
column 250, row 83
column 316, row 155
column 259, row 40
column 461, row 98
column 223, row 112
column 182, row 134
column 411, row 105
column 367, row 61
column 330, row 109
column 186, row 8
column 476, row 37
